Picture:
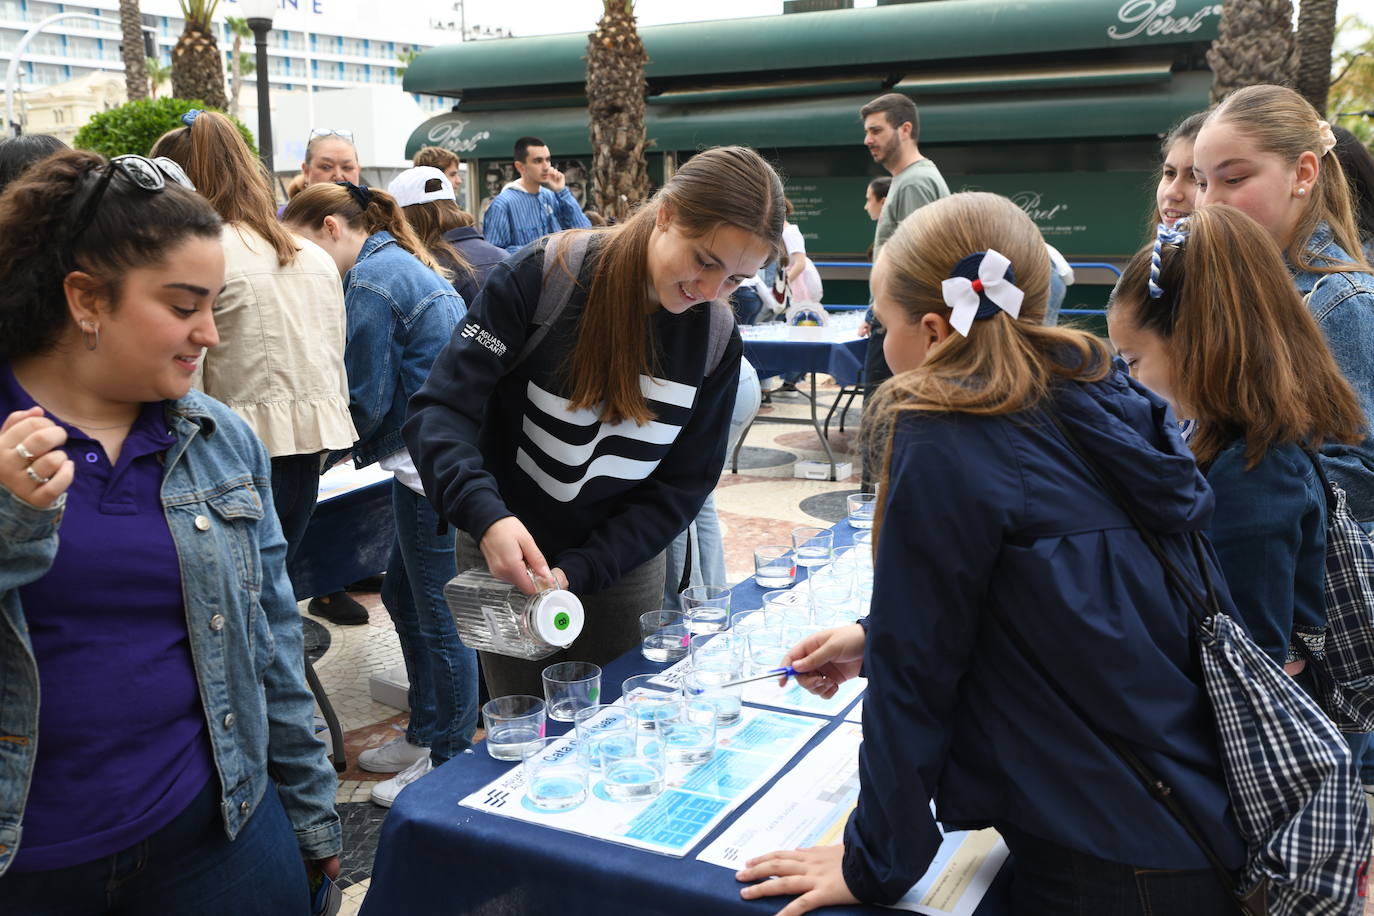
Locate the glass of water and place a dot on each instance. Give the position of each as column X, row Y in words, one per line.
column 596, row 723
column 813, row 546
column 663, row 636
column 706, row 684
column 774, row 566
column 555, row 779
column 511, row 723
column 641, row 698
column 862, row 507
column 570, row 686
column 688, row 730
column 633, row 770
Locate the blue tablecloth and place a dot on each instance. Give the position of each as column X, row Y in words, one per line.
column 436, row 856
column 839, row 358
column 349, row 538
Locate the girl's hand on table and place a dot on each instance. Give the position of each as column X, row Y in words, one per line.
column 814, row 874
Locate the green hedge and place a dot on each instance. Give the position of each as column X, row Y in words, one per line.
column 135, row 126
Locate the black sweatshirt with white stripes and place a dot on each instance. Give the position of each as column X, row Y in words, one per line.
column 600, row 499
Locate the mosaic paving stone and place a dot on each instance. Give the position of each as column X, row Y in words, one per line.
column 751, row 457
column 317, row 639
column 362, row 827
column 828, row 506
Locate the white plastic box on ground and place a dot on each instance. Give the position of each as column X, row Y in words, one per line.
column 820, row 470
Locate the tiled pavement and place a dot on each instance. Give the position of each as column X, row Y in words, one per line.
column 759, row 505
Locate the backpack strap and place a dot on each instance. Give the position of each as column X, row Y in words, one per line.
column 718, row 339
column 556, row 290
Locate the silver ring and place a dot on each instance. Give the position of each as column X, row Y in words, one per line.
column 35, row 476
column 24, row 452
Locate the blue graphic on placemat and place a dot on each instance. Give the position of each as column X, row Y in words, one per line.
column 726, row 775
column 674, row 820
column 769, row 733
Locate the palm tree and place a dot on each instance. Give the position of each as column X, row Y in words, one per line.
column 131, row 50
column 405, row 58
column 1316, row 31
column 615, row 108
column 158, row 73
column 1254, row 45
column 237, row 59
column 197, row 67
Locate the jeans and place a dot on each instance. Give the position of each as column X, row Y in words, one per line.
column 708, row 546
column 1053, row 880
column 188, row 868
column 442, row 671
column 746, row 304
column 295, row 490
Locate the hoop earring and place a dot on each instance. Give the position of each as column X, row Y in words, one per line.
column 90, row 335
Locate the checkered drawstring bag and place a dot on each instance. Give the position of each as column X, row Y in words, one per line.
column 1293, row 786
column 1341, row 655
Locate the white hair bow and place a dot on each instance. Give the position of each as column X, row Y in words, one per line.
column 968, row 296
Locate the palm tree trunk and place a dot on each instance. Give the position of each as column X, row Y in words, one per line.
column 1254, row 45
column 615, row 107
column 197, row 68
column 1316, row 31
column 236, row 76
column 131, row 50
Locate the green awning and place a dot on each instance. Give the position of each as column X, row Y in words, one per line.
column 874, row 40
column 1127, row 111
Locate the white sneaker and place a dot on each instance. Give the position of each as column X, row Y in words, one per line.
column 385, row 792
column 392, row 757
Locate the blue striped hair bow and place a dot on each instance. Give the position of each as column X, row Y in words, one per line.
column 1164, row 236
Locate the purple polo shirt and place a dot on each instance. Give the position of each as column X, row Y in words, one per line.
column 122, row 747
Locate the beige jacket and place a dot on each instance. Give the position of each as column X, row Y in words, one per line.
column 279, row 363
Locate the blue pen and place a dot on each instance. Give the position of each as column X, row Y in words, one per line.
column 787, row 671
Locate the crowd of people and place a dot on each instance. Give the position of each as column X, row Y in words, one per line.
column 180, row 360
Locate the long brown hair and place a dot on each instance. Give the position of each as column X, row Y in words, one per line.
column 309, row 208
column 1284, row 123
column 1250, row 360
column 431, row 220
column 726, row 185
column 226, row 173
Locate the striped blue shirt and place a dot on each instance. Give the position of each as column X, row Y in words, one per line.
column 517, row 217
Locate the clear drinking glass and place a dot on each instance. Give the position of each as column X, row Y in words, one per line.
column 594, row 724
column 706, row 684
column 688, row 731
column 511, row 723
column 774, row 566
column 634, row 770
column 663, row 636
column 862, row 507
column 641, row 698
column 570, row 686
column 813, row 546
column 555, row 779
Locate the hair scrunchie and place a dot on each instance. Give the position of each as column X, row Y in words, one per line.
column 1326, row 137
column 361, row 194
column 189, row 117
column 1164, row 236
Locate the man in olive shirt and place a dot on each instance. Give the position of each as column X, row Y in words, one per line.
column 891, row 129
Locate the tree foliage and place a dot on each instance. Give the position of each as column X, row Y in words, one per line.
column 1352, row 87
column 135, row 126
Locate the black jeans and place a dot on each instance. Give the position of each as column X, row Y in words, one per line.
column 1052, row 880
column 295, row 490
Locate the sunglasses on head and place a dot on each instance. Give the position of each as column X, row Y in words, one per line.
column 318, row 132
column 146, row 174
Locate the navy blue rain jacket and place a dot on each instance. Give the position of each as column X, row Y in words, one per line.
column 997, row 512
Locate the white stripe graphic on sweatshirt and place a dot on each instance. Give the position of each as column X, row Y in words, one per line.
column 577, row 455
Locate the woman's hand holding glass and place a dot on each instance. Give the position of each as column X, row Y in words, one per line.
column 825, row 660
column 32, row 464
column 512, row 556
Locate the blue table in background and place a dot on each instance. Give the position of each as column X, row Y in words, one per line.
column 435, row 856
column 775, row 349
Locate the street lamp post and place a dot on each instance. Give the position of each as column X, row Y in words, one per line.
column 259, row 15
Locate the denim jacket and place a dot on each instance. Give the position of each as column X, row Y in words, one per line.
column 1343, row 304
column 245, row 631
column 400, row 315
